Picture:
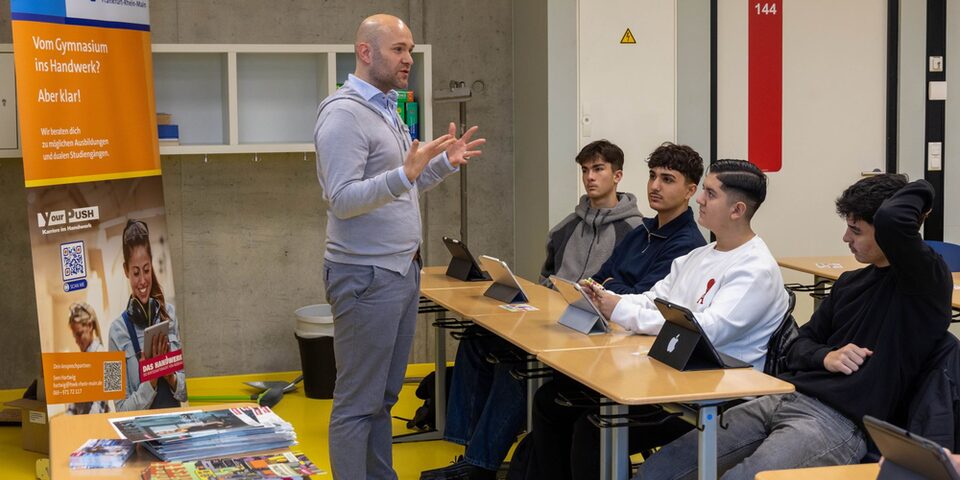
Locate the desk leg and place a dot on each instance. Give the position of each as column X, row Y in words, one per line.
column 532, row 385
column 614, row 448
column 440, row 367
column 707, row 445
column 818, row 291
column 440, row 393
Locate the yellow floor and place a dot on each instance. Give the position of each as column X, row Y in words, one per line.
column 309, row 417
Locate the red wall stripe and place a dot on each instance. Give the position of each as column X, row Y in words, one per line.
column 765, row 89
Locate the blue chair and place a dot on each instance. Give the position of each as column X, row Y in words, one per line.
column 949, row 251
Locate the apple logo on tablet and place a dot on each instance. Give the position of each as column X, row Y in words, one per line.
column 673, row 343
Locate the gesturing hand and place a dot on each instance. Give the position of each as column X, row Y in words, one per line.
column 420, row 154
column 846, row 359
column 463, row 149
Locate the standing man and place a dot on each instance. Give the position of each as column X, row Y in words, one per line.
column 372, row 176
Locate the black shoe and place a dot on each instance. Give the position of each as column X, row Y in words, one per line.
column 459, row 470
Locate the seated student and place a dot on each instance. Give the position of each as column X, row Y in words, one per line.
column 580, row 243
column 734, row 288
column 644, row 256
column 858, row 354
column 487, row 406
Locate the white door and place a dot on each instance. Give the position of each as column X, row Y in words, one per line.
column 627, row 90
column 834, row 70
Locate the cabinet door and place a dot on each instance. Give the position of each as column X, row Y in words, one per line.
column 8, row 104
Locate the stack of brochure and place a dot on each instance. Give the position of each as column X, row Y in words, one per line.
column 198, row 434
column 110, row 453
column 293, row 465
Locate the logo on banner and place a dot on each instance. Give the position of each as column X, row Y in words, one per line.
column 73, row 260
column 56, row 218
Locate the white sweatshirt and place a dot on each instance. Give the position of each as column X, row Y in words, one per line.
column 737, row 296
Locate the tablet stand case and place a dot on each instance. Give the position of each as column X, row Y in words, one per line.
column 583, row 321
column 505, row 293
column 684, row 354
column 891, row 471
column 465, row 270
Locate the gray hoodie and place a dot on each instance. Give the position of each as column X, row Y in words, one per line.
column 578, row 245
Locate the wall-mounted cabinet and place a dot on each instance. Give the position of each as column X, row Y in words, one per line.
column 259, row 98
column 239, row 98
column 9, row 137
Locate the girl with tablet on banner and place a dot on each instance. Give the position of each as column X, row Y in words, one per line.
column 146, row 307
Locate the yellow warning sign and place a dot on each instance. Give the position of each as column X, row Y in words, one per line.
column 628, row 37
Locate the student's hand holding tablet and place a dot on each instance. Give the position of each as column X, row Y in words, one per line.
column 605, row 301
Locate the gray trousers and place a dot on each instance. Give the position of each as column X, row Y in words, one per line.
column 374, row 315
column 769, row 433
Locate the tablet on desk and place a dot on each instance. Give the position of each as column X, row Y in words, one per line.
column 684, row 345
column 462, row 264
column 586, row 316
column 908, row 456
column 505, row 286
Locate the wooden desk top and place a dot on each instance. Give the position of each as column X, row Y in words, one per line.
column 432, row 278
column 536, row 332
column 470, row 302
column 628, row 376
column 68, row 432
column 866, row 471
column 832, row 267
column 826, row 267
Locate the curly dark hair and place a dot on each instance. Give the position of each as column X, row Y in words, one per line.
column 861, row 200
column 744, row 180
column 678, row 157
column 606, row 150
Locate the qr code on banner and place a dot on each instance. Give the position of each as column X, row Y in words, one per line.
column 112, row 380
column 73, row 260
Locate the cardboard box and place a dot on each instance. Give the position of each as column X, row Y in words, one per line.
column 164, row 119
column 35, row 430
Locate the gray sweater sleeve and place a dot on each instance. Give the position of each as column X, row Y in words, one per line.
column 438, row 169
column 342, row 152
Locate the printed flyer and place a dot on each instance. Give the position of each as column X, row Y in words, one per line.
column 110, row 339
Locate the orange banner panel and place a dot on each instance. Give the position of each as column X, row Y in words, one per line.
column 85, row 117
column 73, row 377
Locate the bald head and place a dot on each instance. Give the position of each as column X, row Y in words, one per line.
column 384, row 49
column 373, row 28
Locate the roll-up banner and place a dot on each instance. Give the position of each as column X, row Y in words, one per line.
column 102, row 269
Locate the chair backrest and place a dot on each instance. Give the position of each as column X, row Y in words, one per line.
column 949, row 251
column 781, row 339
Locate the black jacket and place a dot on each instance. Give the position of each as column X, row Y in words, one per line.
column 934, row 411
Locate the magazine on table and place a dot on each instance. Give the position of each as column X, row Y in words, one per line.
column 101, row 453
column 251, row 467
column 193, row 435
column 179, row 425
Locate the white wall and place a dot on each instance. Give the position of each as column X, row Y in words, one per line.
column 911, row 116
column 951, row 169
column 627, row 92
